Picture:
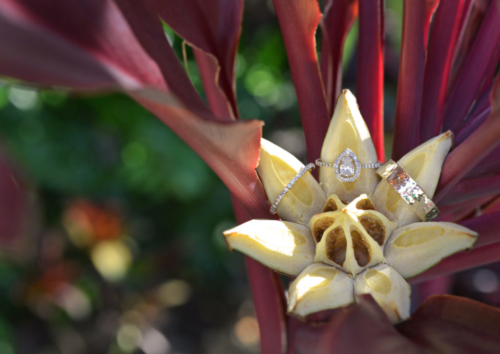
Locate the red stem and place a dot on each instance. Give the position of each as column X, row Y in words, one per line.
column 442, row 41
column 298, row 21
column 370, row 70
column 473, row 74
column 416, row 21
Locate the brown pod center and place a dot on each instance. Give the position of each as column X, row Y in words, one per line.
column 374, row 228
column 360, row 246
column 336, row 246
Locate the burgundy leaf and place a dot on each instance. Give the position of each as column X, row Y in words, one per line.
column 492, row 206
column 471, row 126
column 470, row 22
column 298, row 21
column 217, row 101
column 370, row 70
column 486, row 226
column 91, row 45
column 462, row 261
column 452, row 324
column 357, row 328
column 213, row 26
column 416, row 20
column 471, row 188
column 460, row 211
column 268, row 297
column 432, row 287
column 444, row 33
column 475, row 148
column 338, row 17
column 488, row 166
column 473, row 74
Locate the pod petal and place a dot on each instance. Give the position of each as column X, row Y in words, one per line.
column 389, row 290
column 348, row 130
column 285, row 247
column 276, row 169
column 415, row 248
column 423, row 164
column 319, row 287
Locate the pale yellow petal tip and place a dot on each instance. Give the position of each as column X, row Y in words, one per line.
column 319, row 288
column 285, row 247
column 388, row 289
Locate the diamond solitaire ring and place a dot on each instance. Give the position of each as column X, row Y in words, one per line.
column 409, row 190
column 347, row 166
column 302, row 171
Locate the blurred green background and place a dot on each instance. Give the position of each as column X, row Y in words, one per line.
column 127, row 255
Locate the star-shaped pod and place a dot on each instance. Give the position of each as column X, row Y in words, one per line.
column 345, row 235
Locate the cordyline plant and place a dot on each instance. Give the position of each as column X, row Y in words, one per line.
column 446, row 83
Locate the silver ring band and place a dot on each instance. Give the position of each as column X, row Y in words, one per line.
column 302, row 171
column 332, row 165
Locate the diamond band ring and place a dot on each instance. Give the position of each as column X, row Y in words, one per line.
column 302, row 171
column 409, row 190
column 347, row 166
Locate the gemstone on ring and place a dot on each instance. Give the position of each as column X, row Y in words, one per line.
column 347, row 166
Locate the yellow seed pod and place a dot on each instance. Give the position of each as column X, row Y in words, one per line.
column 347, row 245
column 317, row 288
column 389, row 290
column 276, row 169
column 415, row 248
column 348, row 130
column 283, row 246
column 423, row 164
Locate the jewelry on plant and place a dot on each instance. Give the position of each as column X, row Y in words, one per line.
column 347, row 166
column 409, row 190
column 302, row 171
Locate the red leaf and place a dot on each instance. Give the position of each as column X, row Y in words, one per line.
column 461, row 261
column 91, row 45
column 338, row 17
column 476, row 70
column 488, row 166
column 357, row 328
column 471, row 188
column 416, row 20
column 451, row 324
column 213, row 26
column 298, row 20
column 487, row 227
column 370, row 70
column 460, row 211
column 475, row 148
column 471, row 126
column 470, row 22
column 444, row 33
column 492, row 207
column 209, row 71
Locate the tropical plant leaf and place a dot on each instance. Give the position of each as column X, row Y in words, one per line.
column 298, row 21
column 214, row 27
column 416, row 20
column 337, row 20
column 370, row 70
column 442, row 39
